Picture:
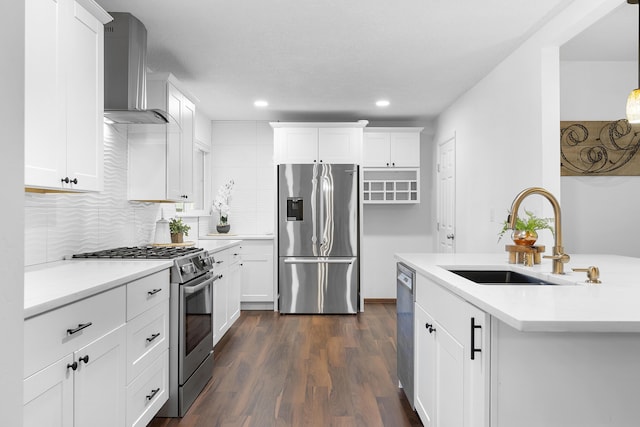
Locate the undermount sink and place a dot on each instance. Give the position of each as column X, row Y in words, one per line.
column 499, row 277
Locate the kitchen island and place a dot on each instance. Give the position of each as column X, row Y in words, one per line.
column 526, row 355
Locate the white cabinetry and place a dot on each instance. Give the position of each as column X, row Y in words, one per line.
column 318, row 142
column 452, row 359
column 64, row 87
column 226, row 291
column 100, row 361
column 391, row 147
column 147, row 347
column 87, row 343
column 161, row 156
column 257, row 274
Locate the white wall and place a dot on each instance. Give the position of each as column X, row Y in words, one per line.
column 599, row 211
column 507, row 131
column 243, row 151
column 11, row 239
column 57, row 225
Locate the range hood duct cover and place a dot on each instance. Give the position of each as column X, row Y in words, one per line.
column 125, row 66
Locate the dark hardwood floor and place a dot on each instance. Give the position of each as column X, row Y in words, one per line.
column 303, row 370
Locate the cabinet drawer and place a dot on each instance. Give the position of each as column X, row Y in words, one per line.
column 222, row 259
column 147, row 337
column 255, row 247
column 50, row 336
column 148, row 392
column 446, row 308
column 144, row 293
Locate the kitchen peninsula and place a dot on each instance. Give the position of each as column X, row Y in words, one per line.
column 526, row 355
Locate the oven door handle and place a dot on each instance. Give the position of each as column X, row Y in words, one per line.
column 195, row 288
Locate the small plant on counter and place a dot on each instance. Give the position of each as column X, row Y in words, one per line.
column 176, row 226
column 529, row 225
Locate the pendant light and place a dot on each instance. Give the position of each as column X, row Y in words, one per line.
column 633, row 101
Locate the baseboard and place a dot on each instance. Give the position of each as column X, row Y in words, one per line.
column 379, row 300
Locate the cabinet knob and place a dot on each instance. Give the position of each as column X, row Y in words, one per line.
column 67, row 180
column 387, row 163
column 84, row 359
column 393, row 164
column 73, row 366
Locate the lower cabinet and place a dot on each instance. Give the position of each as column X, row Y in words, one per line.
column 83, row 388
column 257, row 274
column 226, row 291
column 110, row 358
column 452, row 359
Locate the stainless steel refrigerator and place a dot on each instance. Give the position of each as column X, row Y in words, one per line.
column 318, row 228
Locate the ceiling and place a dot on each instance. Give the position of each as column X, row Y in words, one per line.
column 332, row 59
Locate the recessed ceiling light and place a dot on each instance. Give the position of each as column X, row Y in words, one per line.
column 382, row 103
column 261, row 103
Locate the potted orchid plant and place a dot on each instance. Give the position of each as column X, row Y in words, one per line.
column 221, row 205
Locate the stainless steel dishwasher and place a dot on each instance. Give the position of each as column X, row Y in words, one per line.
column 405, row 279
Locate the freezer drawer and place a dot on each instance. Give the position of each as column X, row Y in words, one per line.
column 318, row 285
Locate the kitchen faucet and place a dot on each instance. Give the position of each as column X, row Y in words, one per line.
column 559, row 257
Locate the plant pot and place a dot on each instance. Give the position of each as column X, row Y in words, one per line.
column 524, row 237
column 177, row 238
column 223, row 228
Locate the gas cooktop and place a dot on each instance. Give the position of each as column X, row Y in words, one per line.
column 141, row 252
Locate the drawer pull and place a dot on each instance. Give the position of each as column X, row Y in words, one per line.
column 84, row 359
column 153, row 337
column 80, row 327
column 154, row 291
column 153, row 393
column 73, row 366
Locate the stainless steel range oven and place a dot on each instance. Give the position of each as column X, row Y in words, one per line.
column 190, row 319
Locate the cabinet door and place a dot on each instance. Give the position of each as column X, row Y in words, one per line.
column 48, row 396
column 85, row 105
column 234, row 289
column 174, row 143
column 339, row 145
column 220, row 297
column 405, row 149
column 449, row 379
column 257, row 277
column 376, row 149
column 186, row 154
column 45, row 104
column 297, row 145
column 99, row 383
column 425, row 367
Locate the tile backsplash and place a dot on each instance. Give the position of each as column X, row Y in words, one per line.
column 58, row 225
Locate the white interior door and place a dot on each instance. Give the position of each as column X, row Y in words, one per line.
column 447, row 195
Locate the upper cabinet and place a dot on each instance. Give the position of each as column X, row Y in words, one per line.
column 64, row 56
column 318, row 142
column 391, row 147
column 161, row 156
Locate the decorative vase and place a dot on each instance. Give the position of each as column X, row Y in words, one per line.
column 524, row 237
column 177, row 237
column 223, row 228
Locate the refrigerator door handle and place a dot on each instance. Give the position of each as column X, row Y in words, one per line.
column 318, row 261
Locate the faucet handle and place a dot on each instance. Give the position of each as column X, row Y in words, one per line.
column 593, row 273
column 563, row 258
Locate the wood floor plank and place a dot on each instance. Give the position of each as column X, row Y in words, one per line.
column 304, row 370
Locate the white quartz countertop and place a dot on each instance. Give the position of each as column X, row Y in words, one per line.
column 574, row 306
column 52, row 285
column 227, row 236
column 217, row 245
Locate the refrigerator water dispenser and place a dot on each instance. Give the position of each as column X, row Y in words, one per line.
column 294, row 209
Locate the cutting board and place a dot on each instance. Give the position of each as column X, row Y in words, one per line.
column 173, row 245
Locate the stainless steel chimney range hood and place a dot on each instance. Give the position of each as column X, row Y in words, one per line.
column 125, row 66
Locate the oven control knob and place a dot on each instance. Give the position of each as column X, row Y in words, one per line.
column 187, row 268
column 207, row 260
